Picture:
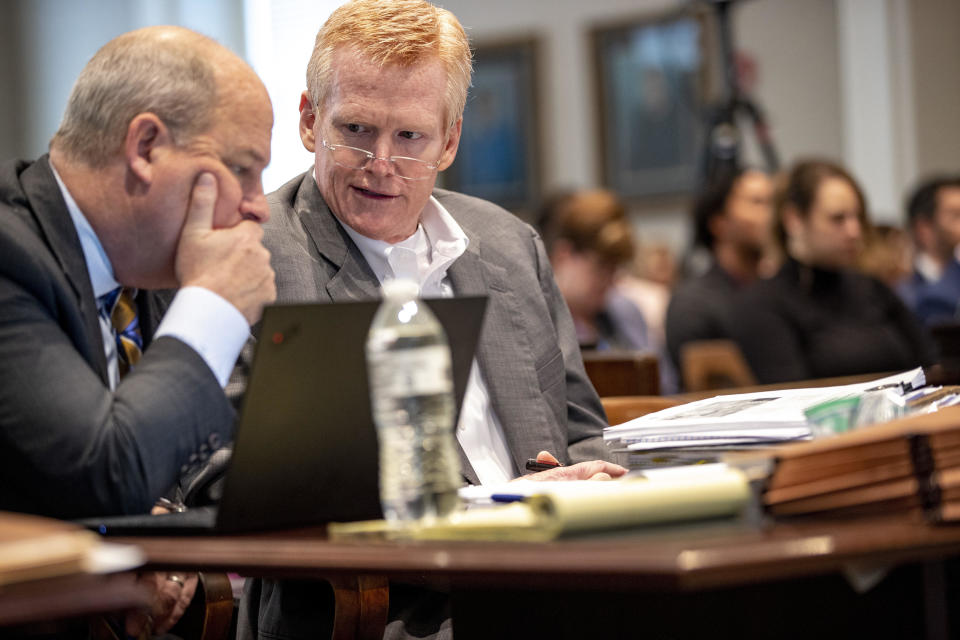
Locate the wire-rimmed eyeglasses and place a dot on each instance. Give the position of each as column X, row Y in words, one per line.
column 404, row 167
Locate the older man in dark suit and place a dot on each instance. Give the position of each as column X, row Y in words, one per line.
column 152, row 181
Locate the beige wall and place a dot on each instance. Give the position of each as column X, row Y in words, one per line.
column 567, row 103
column 51, row 41
column 794, row 41
column 795, row 44
column 936, row 83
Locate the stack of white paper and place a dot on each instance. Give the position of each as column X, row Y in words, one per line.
column 690, row 432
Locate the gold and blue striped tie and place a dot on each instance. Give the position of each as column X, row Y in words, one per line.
column 121, row 308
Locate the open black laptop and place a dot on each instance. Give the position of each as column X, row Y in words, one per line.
column 305, row 450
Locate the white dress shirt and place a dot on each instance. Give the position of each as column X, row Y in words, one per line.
column 203, row 320
column 425, row 258
column 928, row 268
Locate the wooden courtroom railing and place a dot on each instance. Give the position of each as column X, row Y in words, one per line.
column 623, row 373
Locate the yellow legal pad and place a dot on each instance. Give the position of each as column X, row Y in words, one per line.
column 563, row 509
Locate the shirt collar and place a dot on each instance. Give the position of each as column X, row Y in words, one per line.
column 374, row 251
column 447, row 236
column 928, row 268
column 435, row 245
column 98, row 264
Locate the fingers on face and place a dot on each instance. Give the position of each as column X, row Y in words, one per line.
column 203, row 199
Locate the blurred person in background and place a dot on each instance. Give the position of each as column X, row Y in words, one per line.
column 818, row 317
column 933, row 215
column 887, row 255
column 733, row 220
column 648, row 284
column 589, row 239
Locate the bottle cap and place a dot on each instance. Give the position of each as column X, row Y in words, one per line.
column 403, row 288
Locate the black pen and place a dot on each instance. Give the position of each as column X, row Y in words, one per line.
column 536, row 465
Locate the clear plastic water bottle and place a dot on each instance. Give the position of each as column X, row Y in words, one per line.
column 411, row 389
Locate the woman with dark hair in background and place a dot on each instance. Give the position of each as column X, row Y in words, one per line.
column 818, row 317
column 733, row 219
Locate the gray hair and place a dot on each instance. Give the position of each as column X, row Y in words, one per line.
column 165, row 71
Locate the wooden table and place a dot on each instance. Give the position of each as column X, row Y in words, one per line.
column 73, row 596
column 721, row 578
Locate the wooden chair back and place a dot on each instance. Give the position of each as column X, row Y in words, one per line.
column 623, row 373
column 714, row 364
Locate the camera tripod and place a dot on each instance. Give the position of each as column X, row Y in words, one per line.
column 723, row 140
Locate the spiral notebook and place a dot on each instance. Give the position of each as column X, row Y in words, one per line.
column 305, row 451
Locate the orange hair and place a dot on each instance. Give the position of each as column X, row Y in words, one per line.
column 402, row 32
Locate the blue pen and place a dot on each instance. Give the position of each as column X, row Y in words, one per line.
column 507, row 497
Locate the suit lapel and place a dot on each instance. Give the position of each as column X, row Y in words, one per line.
column 504, row 354
column 57, row 227
column 353, row 278
column 469, row 273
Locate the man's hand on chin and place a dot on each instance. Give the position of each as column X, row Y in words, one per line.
column 231, row 262
column 591, row 470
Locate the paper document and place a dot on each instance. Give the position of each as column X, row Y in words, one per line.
column 748, row 419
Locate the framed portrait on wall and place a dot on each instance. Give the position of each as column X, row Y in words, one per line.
column 498, row 158
column 650, row 84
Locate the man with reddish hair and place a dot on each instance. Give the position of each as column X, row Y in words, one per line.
column 387, row 83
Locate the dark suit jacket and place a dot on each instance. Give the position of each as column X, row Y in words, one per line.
column 938, row 302
column 528, row 350
column 69, row 446
column 701, row 308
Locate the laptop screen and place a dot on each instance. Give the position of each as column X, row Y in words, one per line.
column 305, row 451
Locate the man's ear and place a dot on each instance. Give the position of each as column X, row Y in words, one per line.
column 146, row 133
column 451, row 145
column 308, row 118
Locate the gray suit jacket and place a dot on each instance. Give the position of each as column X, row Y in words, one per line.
column 69, row 446
column 528, row 354
column 528, row 350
